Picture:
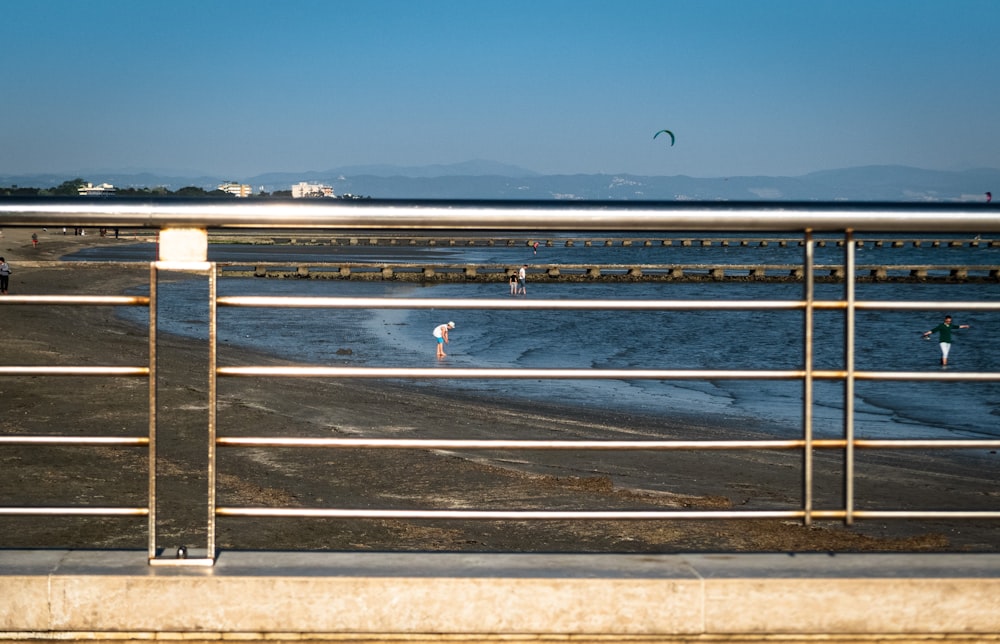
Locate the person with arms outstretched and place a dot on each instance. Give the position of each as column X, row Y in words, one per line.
column 944, row 337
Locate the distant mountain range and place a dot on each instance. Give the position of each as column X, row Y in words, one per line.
column 490, row 180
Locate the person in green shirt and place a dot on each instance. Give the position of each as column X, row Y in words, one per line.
column 944, row 337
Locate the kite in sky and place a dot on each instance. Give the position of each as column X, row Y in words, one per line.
column 668, row 132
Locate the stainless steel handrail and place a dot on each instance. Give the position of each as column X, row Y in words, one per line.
column 805, row 219
column 504, row 215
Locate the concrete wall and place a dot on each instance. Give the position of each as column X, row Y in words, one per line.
column 278, row 595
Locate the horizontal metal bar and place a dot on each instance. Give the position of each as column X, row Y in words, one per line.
column 590, row 374
column 507, row 515
column 416, row 443
column 951, row 305
column 428, row 303
column 92, row 300
column 513, row 374
column 74, row 440
column 74, row 511
column 929, row 443
column 282, row 301
column 501, row 444
column 771, row 216
column 604, row 515
column 908, row 514
column 952, row 376
column 73, row 371
column 288, row 301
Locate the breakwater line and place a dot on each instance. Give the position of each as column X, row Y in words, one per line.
column 637, row 273
column 543, row 241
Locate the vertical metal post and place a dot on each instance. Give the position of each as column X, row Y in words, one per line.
column 807, row 394
column 186, row 250
column 212, row 401
column 849, row 324
column 153, row 278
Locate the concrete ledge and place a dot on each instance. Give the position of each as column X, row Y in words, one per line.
column 55, row 594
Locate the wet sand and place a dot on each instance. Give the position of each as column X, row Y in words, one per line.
column 395, row 479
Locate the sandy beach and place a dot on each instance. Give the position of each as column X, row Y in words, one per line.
column 390, row 479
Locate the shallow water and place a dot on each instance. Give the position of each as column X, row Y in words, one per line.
column 886, row 340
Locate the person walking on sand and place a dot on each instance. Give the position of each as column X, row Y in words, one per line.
column 34, row 240
column 441, row 334
column 4, row 276
column 522, row 276
column 944, row 337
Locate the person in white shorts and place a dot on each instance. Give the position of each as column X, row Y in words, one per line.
column 944, row 336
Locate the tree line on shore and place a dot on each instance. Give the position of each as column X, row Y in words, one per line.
column 71, row 188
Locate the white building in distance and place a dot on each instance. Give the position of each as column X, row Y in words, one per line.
column 90, row 190
column 303, row 190
column 236, row 189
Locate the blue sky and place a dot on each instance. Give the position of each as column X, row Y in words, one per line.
column 749, row 87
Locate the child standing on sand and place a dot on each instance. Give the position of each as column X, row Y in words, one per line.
column 4, row 276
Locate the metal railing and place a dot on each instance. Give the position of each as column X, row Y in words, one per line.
column 142, row 371
column 185, row 218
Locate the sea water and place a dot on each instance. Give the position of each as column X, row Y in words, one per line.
column 717, row 340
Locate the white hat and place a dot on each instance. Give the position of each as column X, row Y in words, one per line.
column 451, row 325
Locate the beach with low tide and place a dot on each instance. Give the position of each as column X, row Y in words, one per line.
column 389, row 478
